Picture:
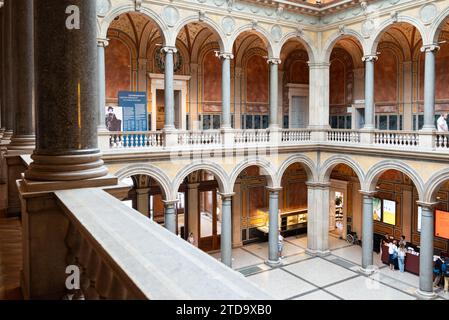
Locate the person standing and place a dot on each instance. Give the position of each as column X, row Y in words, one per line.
column 401, row 257
column 392, row 252
column 437, row 272
column 191, row 239
column 402, row 241
column 280, row 244
column 442, row 123
column 445, row 271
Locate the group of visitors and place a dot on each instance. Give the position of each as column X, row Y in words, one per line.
column 441, row 273
column 396, row 252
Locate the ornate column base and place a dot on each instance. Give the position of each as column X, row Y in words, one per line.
column 25, row 144
column 274, row 264
column 6, row 139
column 318, row 253
column 369, row 270
column 425, row 295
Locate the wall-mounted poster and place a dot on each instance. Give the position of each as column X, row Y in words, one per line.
column 389, row 212
column 135, row 113
column 442, row 224
column 114, row 118
column 377, row 209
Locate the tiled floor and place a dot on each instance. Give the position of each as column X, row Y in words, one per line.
column 333, row 277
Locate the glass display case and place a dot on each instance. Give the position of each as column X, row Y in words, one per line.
column 290, row 222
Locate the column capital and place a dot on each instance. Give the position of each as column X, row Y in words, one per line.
column 370, row 58
column 224, row 55
column 226, row 196
column 102, row 42
column 368, row 194
column 170, row 203
column 316, row 184
column 167, row 49
column 430, row 48
column 142, row 190
column 274, row 61
column 428, row 205
column 274, row 189
column 319, row 65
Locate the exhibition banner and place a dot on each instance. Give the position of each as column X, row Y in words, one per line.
column 134, row 106
column 389, row 212
column 377, row 213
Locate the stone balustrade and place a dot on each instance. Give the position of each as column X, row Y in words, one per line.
column 158, row 140
column 122, row 254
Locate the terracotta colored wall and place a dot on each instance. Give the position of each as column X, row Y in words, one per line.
column 118, row 68
column 386, row 78
column 257, row 80
column 297, row 195
column 337, row 82
column 211, row 78
column 299, row 72
column 257, row 200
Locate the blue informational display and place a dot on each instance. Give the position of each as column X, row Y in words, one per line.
column 134, row 106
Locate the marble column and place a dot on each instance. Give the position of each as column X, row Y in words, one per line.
column 66, row 93
column 367, row 231
column 318, row 218
column 2, row 96
column 23, row 139
column 101, row 45
column 8, row 62
column 170, row 215
column 193, row 210
column 168, row 89
column 273, row 232
column 274, row 91
column 429, row 87
column 226, row 89
column 426, row 250
column 369, row 92
column 226, row 229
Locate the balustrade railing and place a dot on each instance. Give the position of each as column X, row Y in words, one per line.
column 199, row 138
column 138, row 139
column 397, row 138
column 252, row 136
column 341, row 135
column 441, row 141
column 296, row 135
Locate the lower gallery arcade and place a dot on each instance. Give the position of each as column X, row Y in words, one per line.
column 199, row 207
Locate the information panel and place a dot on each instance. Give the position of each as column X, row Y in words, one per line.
column 389, row 212
column 134, row 106
column 377, row 209
column 442, row 224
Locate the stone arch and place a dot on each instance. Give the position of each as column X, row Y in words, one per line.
column 218, row 172
column 328, row 165
column 305, row 161
column 305, row 40
column 334, row 38
column 263, row 164
column 372, row 50
column 434, row 183
column 130, row 7
column 150, row 170
column 260, row 32
column 213, row 26
column 379, row 168
column 435, row 28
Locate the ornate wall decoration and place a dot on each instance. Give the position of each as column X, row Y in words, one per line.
column 159, row 57
column 103, row 6
column 428, row 13
column 368, row 28
column 276, row 33
column 201, row 1
column 170, row 15
column 219, row 3
column 228, row 25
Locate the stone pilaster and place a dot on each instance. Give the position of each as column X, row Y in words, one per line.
column 318, row 218
column 143, row 200
column 319, row 96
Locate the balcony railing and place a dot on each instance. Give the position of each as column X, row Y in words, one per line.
column 160, row 140
column 397, row 138
column 122, row 254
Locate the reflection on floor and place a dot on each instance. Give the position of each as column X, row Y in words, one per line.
column 333, row 277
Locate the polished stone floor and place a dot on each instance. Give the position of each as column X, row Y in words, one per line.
column 333, row 277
